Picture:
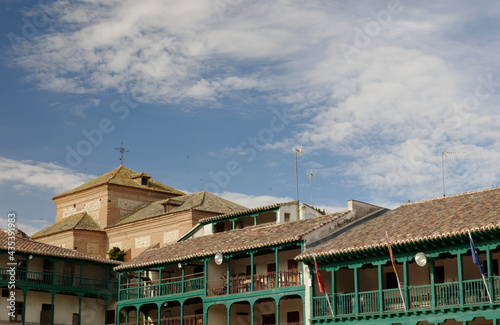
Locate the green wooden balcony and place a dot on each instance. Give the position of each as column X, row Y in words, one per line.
column 47, row 279
column 261, row 281
column 446, row 296
column 165, row 288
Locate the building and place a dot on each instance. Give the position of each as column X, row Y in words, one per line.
column 128, row 210
column 447, row 289
column 45, row 284
column 236, row 268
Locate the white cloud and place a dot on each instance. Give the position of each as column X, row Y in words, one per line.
column 81, row 108
column 390, row 111
column 25, row 175
column 253, row 201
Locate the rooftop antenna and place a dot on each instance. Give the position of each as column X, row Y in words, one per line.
column 297, row 149
column 311, row 173
column 443, row 154
column 122, row 151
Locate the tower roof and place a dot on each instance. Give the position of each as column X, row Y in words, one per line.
column 79, row 221
column 200, row 201
column 122, row 176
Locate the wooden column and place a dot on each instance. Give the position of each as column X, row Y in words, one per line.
column 460, row 266
column 334, row 291
column 380, row 288
column 356, row 291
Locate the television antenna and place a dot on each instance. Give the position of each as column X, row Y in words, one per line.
column 312, row 173
column 443, row 154
column 297, row 150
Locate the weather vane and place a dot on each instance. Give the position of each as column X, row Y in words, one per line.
column 122, row 150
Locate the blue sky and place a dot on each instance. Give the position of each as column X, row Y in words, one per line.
column 213, row 95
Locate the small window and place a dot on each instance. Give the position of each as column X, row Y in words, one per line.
column 111, row 317
column 439, row 274
column 18, row 313
column 287, row 217
column 219, row 227
column 144, row 181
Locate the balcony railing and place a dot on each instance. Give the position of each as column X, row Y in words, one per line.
column 472, row 292
column 61, row 280
column 261, row 281
column 171, row 286
column 188, row 320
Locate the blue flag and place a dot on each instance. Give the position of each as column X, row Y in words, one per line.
column 475, row 257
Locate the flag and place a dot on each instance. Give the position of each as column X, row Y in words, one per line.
column 321, row 284
column 475, row 257
column 392, row 256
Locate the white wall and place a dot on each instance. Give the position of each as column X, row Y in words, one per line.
column 290, row 305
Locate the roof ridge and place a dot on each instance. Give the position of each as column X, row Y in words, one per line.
column 247, row 210
column 269, row 235
column 85, row 214
column 451, row 196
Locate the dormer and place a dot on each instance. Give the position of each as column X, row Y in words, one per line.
column 141, row 178
column 170, row 204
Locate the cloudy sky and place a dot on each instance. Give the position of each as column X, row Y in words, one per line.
column 213, row 94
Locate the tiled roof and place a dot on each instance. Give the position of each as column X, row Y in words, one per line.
column 29, row 246
column 123, row 176
column 237, row 240
column 419, row 221
column 232, row 214
column 79, row 221
column 201, row 201
column 141, row 174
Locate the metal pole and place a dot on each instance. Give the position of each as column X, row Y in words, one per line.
column 296, row 174
column 442, row 165
column 311, row 184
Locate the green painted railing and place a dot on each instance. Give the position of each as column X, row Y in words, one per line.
column 61, row 280
column 155, row 290
column 369, row 302
column 472, row 292
column 345, row 303
column 420, row 297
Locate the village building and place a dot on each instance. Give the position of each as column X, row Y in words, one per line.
column 438, row 280
column 128, row 210
column 45, row 284
column 236, row 268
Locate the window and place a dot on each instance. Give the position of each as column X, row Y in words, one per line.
column 111, row 317
column 249, row 270
column 293, row 317
column 494, row 266
column 439, row 274
column 391, row 281
column 18, row 313
column 287, row 217
column 268, row 319
column 293, row 264
column 144, row 181
column 219, row 227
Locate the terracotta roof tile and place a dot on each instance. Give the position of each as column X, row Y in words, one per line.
column 123, row 176
column 79, row 221
column 29, row 246
column 412, row 222
column 200, row 201
column 232, row 241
